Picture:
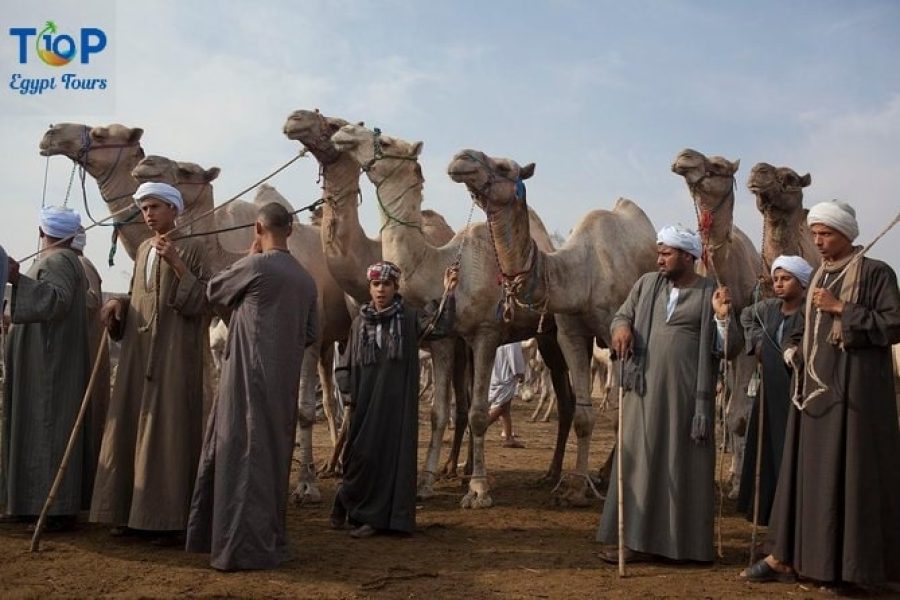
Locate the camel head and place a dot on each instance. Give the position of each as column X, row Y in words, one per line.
column 372, row 150
column 156, row 168
column 266, row 193
column 192, row 173
column 777, row 188
column 710, row 179
column 98, row 148
column 314, row 130
column 490, row 180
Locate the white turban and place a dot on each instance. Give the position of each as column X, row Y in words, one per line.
column 796, row 266
column 80, row 240
column 59, row 221
column 837, row 215
column 163, row 191
column 676, row 236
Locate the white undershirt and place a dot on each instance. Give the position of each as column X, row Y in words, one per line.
column 148, row 268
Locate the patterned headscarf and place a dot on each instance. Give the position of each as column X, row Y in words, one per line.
column 383, row 271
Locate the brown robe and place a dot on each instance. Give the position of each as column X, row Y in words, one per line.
column 154, row 427
column 836, row 515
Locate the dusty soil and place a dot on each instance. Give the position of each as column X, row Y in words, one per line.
column 523, row 547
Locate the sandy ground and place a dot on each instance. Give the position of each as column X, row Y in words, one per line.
column 524, row 547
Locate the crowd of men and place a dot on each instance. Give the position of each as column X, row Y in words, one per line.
column 824, row 431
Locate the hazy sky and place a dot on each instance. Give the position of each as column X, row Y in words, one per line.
column 601, row 95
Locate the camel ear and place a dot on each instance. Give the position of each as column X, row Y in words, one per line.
column 735, row 165
column 805, row 180
column 211, row 173
column 417, row 148
column 135, row 135
column 527, row 171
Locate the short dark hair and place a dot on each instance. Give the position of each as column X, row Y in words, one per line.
column 275, row 216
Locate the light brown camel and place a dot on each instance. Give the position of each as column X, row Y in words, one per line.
column 583, row 283
column 392, row 165
column 108, row 155
column 731, row 258
column 348, row 251
column 779, row 197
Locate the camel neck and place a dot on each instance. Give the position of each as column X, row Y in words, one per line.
column 782, row 234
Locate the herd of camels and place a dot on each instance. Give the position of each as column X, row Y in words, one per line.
column 606, row 252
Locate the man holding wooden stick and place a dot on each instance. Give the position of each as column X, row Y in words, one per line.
column 47, row 369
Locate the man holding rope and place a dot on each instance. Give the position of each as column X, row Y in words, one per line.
column 836, row 514
column 240, row 500
column 669, row 330
column 47, row 369
column 154, row 428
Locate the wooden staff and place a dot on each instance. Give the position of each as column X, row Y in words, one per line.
column 36, row 538
column 759, row 452
column 621, row 492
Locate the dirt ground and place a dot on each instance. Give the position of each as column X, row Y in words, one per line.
column 523, row 547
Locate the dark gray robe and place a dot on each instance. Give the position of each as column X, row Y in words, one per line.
column 668, row 478
column 240, row 498
column 379, row 484
column 47, row 370
column 762, row 322
column 836, row 515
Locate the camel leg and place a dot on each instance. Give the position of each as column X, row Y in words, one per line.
column 326, row 371
column 484, row 349
column 442, row 365
column 551, row 402
column 565, row 401
column 307, row 490
column 462, row 392
column 577, row 350
column 542, row 399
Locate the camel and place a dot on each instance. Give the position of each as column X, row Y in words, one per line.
column 779, row 197
column 392, row 165
column 729, row 256
column 108, row 154
column 605, row 254
column 348, row 251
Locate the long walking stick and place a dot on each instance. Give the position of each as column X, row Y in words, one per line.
column 36, row 538
column 759, row 451
column 621, row 492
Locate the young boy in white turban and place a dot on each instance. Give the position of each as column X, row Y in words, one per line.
column 154, row 428
column 766, row 324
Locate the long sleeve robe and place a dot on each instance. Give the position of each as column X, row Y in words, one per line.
column 836, row 514
column 762, row 323
column 47, row 370
column 240, row 500
column 668, row 478
column 379, row 484
column 154, row 427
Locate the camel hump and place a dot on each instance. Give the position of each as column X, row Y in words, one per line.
column 266, row 193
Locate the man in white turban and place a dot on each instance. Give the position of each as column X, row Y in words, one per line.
column 796, row 266
column 836, row 512
column 837, row 215
column 154, row 430
column 666, row 331
column 163, row 191
column 47, row 369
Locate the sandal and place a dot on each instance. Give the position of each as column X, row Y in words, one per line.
column 761, row 572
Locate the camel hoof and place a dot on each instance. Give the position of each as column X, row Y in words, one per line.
column 448, row 471
column 306, row 493
column 550, row 478
column 573, row 494
column 475, row 500
column 425, row 492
